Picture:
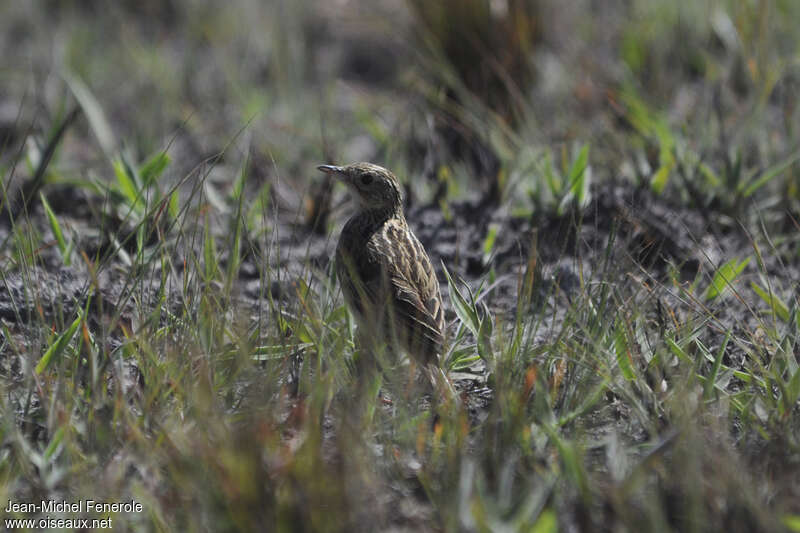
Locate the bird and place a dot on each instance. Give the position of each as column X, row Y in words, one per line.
column 386, row 276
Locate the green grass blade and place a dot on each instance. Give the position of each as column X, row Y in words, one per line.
column 708, row 388
column 152, row 169
column 467, row 312
column 126, row 181
column 577, row 182
column 462, row 358
column 725, row 276
column 793, row 390
column 58, row 346
column 677, row 351
column 488, row 242
column 577, row 174
column 621, row 348
column 792, row 522
column 553, row 182
column 770, row 174
column 93, row 111
column 209, row 251
column 661, row 177
column 485, row 338
column 56, row 227
column 52, row 446
column 174, row 204
column 780, row 309
column 712, row 179
column 546, row 523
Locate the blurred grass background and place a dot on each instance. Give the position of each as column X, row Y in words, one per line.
column 171, row 332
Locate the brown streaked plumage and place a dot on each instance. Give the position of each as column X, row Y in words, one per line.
column 386, row 276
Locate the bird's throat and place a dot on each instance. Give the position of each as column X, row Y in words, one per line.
column 360, row 228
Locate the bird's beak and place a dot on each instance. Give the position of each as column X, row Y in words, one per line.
column 331, row 169
column 340, row 173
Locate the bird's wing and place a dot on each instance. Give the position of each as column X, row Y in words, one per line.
column 415, row 315
column 414, row 291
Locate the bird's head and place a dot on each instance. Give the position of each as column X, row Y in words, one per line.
column 374, row 187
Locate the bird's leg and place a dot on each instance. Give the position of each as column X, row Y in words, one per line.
column 367, row 374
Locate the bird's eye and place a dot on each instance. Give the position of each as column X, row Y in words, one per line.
column 366, row 179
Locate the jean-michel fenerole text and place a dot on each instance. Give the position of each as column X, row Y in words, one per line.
column 80, row 506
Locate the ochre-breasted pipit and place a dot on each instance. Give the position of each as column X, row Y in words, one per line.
column 385, row 274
